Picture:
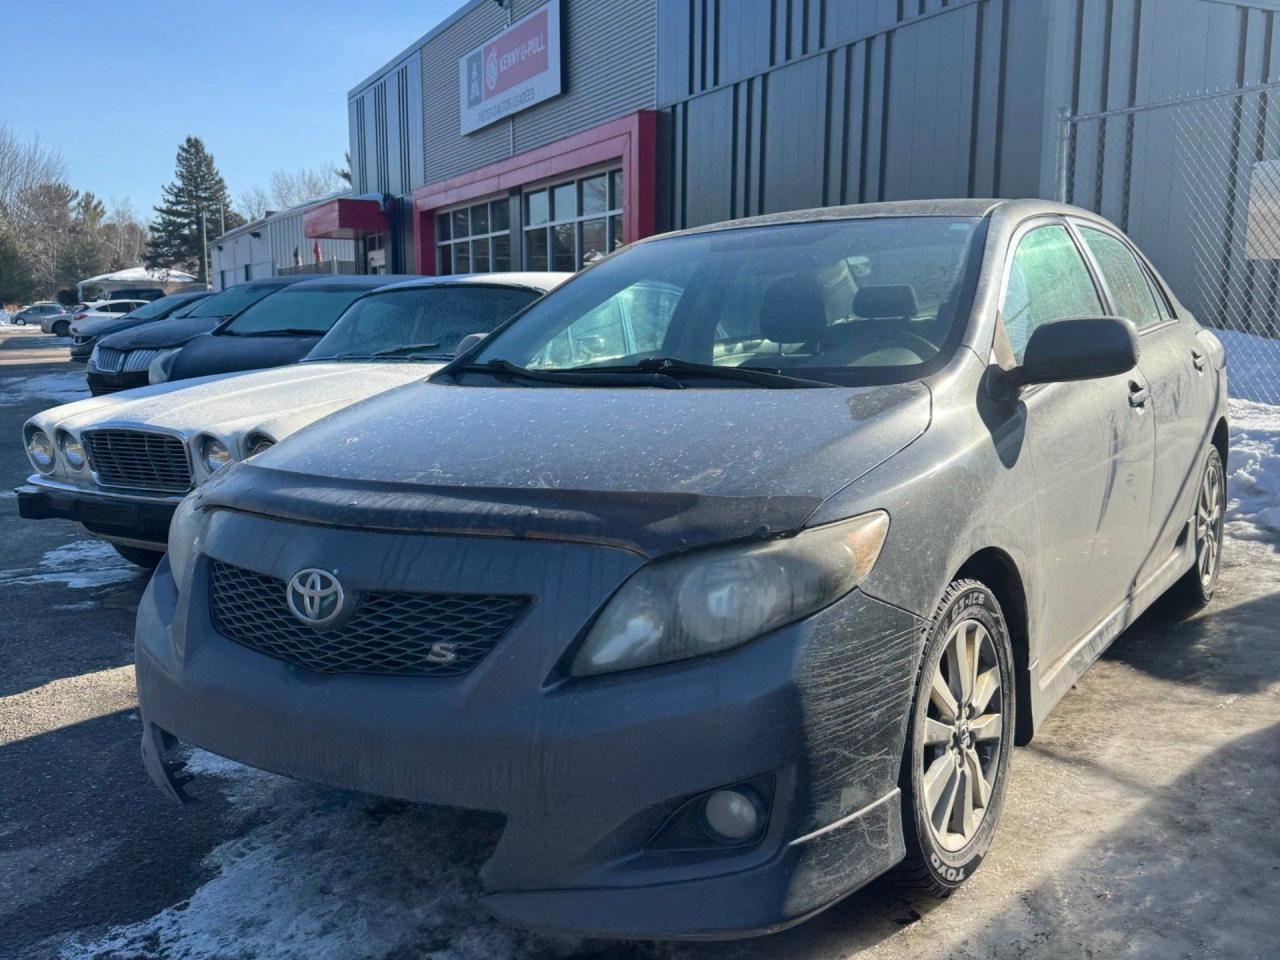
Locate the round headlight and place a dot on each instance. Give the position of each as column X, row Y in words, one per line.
column 40, row 450
column 72, row 450
column 257, row 443
column 214, row 454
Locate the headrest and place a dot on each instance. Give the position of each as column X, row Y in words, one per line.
column 794, row 310
column 886, row 300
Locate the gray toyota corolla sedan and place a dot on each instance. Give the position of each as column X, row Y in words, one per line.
column 729, row 573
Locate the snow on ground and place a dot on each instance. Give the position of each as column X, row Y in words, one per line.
column 58, row 387
column 325, row 874
column 1253, row 471
column 80, row 564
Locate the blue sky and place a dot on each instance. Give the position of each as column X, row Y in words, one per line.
column 116, row 85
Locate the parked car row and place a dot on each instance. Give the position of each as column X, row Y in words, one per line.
column 728, row 572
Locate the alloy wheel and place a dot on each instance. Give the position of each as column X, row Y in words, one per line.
column 963, row 728
column 1209, row 519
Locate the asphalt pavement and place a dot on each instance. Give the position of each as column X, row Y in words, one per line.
column 1142, row 822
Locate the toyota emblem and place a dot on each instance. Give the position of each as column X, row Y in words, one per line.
column 315, row 597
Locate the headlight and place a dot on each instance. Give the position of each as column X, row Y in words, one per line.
column 185, row 530
column 716, row 599
column 93, row 357
column 214, row 453
column 72, row 450
column 162, row 366
column 256, row 443
column 40, row 450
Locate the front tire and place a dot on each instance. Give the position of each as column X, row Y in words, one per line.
column 962, row 727
column 147, row 559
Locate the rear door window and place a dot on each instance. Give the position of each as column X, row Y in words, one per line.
column 1126, row 280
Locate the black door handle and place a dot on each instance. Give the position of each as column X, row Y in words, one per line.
column 1138, row 394
column 1197, row 359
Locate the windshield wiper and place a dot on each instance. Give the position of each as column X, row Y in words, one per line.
column 406, row 348
column 283, row 332
column 674, row 367
column 581, row 378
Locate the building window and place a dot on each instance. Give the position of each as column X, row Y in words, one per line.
column 248, row 272
column 568, row 225
column 475, row 238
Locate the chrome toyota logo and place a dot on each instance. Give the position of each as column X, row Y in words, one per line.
column 315, row 597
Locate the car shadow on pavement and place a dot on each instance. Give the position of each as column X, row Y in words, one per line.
column 87, row 840
column 1232, row 646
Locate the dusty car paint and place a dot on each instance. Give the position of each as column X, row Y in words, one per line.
column 560, row 494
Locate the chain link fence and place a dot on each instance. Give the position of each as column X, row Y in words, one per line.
column 1196, row 183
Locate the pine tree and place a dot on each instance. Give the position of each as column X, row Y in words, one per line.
column 197, row 188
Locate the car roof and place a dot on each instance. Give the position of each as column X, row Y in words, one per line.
column 542, row 280
column 365, row 281
column 957, row 207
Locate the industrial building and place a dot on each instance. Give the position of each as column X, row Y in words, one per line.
column 543, row 133
column 275, row 245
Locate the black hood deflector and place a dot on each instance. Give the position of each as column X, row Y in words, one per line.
column 648, row 523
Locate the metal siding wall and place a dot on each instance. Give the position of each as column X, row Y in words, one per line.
column 785, row 104
column 447, row 151
column 285, row 233
column 609, row 58
column 609, row 55
column 1132, row 52
column 385, row 118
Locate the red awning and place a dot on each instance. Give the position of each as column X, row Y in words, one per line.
column 344, row 219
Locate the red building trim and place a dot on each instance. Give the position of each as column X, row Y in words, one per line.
column 344, row 219
column 631, row 140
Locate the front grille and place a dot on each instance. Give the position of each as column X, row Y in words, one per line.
column 138, row 360
column 110, row 360
column 390, row 634
column 138, row 460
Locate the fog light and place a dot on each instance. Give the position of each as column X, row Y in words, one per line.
column 731, row 815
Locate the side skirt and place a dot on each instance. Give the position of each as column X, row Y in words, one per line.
column 1053, row 683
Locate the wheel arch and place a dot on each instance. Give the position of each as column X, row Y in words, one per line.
column 995, row 568
column 1222, row 440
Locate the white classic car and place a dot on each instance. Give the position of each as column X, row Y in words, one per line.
column 120, row 464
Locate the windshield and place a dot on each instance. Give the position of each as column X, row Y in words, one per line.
column 296, row 310
column 232, row 300
column 427, row 321
column 839, row 301
column 156, row 308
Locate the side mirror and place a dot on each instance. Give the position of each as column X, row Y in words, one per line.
column 467, row 342
column 1082, row 348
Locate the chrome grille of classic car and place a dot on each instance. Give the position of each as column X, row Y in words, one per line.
column 389, row 634
column 138, row 460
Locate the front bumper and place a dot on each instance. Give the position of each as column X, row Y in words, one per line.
column 128, row 518
column 100, row 383
column 584, row 772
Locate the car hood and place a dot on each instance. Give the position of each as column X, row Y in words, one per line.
column 277, row 401
column 105, row 325
column 223, row 353
column 647, row 469
column 160, row 336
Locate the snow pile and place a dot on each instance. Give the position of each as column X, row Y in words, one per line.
column 62, row 387
column 80, row 564
column 321, row 873
column 1253, row 471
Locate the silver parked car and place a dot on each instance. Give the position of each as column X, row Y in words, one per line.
column 728, row 573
